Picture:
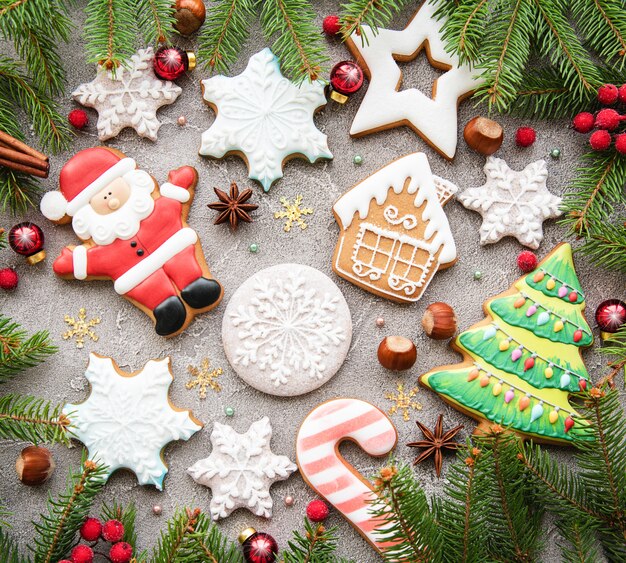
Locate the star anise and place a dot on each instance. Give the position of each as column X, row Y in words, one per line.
column 233, row 207
column 434, row 442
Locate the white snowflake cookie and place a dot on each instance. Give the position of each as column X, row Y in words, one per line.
column 287, row 330
column 264, row 117
column 241, row 469
column 513, row 203
column 128, row 419
column 130, row 98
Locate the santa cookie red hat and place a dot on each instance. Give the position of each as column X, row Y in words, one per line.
column 83, row 176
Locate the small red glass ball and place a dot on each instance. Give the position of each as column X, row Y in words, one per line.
column 600, row 140
column 26, row 238
column 331, row 25
column 608, row 94
column 260, row 548
column 527, row 261
column 583, row 122
column 611, row 315
column 170, row 63
column 346, row 77
column 525, row 136
column 608, row 119
column 78, row 118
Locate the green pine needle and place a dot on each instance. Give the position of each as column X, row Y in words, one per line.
column 156, row 20
column 357, row 13
column 29, row 419
column 317, row 544
column 9, row 550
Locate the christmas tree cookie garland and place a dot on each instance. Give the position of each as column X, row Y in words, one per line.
column 523, row 360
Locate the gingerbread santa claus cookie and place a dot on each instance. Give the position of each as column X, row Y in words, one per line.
column 136, row 234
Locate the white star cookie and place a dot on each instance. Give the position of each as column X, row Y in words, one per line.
column 513, row 203
column 264, row 118
column 434, row 117
column 127, row 420
column 241, row 469
column 131, row 98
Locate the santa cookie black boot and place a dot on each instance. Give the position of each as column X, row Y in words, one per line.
column 201, row 293
column 170, row 316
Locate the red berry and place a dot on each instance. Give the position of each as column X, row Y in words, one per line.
column 317, row 511
column 8, row 278
column 82, row 554
column 622, row 93
column 121, row 552
column 64, row 561
column 620, row 143
column 607, row 119
column 600, row 140
column 113, row 531
column 331, row 25
column 583, row 122
column 527, row 261
column 525, row 136
column 78, row 118
column 91, row 529
column 608, row 94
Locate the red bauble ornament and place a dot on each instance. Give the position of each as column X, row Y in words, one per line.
column 8, row 278
column 600, row 140
column 583, row 122
column 78, row 118
column 258, row 547
column 620, row 143
column 113, row 531
column 82, row 554
column 525, row 136
column 527, row 261
column 608, row 94
column 91, row 529
column 331, row 25
column 611, row 315
column 121, row 552
column 317, row 511
column 171, row 63
column 608, row 119
column 346, row 78
column 27, row 239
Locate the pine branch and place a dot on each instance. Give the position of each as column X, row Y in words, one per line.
column 17, row 191
column 317, row 545
column 156, row 20
column 372, row 13
column 9, row 549
column 225, row 31
column 126, row 515
column 581, row 543
column 606, row 245
column 297, row 41
column 56, row 531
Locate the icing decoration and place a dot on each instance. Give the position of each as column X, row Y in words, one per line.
column 513, row 203
column 525, row 371
column 264, row 118
column 241, row 469
column 327, row 472
column 433, row 117
column 128, row 419
column 394, row 233
column 287, row 330
column 80, row 328
column 128, row 98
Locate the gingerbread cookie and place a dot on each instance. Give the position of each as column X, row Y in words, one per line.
column 128, row 418
column 287, row 330
column 135, row 234
column 264, row 118
column 434, row 118
column 523, row 361
column 394, row 234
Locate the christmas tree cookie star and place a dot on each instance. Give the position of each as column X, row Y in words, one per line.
column 264, row 118
column 128, row 418
column 130, row 97
column 523, row 361
column 434, row 117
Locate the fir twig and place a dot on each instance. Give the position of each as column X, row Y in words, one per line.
column 316, row 545
column 372, row 13
column 156, row 20
column 9, row 549
column 615, row 346
column 30, row 419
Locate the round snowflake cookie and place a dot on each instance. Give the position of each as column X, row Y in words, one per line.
column 287, row 330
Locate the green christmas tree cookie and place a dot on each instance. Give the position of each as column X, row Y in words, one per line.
column 523, row 361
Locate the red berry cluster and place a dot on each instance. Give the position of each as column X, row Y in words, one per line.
column 606, row 121
column 92, row 531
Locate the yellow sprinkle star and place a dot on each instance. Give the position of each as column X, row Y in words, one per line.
column 293, row 213
column 81, row 328
column 204, row 377
column 403, row 401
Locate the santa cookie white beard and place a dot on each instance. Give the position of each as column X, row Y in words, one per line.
column 135, row 234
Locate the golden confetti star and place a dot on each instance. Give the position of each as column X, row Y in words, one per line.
column 204, row 377
column 81, row 328
column 293, row 213
column 403, row 401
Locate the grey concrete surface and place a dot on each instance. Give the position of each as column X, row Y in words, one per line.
column 42, row 300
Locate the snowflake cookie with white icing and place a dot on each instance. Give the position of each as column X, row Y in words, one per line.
column 264, row 118
column 513, row 203
column 287, row 330
column 241, row 469
column 128, row 98
column 128, row 418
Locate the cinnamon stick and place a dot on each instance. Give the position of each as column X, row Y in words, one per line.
column 17, row 145
column 22, row 158
column 23, row 168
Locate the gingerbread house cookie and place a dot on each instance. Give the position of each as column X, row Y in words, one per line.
column 394, row 233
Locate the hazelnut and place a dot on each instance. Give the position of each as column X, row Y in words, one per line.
column 189, row 16
column 397, row 353
column 34, row 465
column 483, row 135
column 439, row 321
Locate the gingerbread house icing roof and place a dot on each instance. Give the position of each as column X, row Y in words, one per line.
column 427, row 188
